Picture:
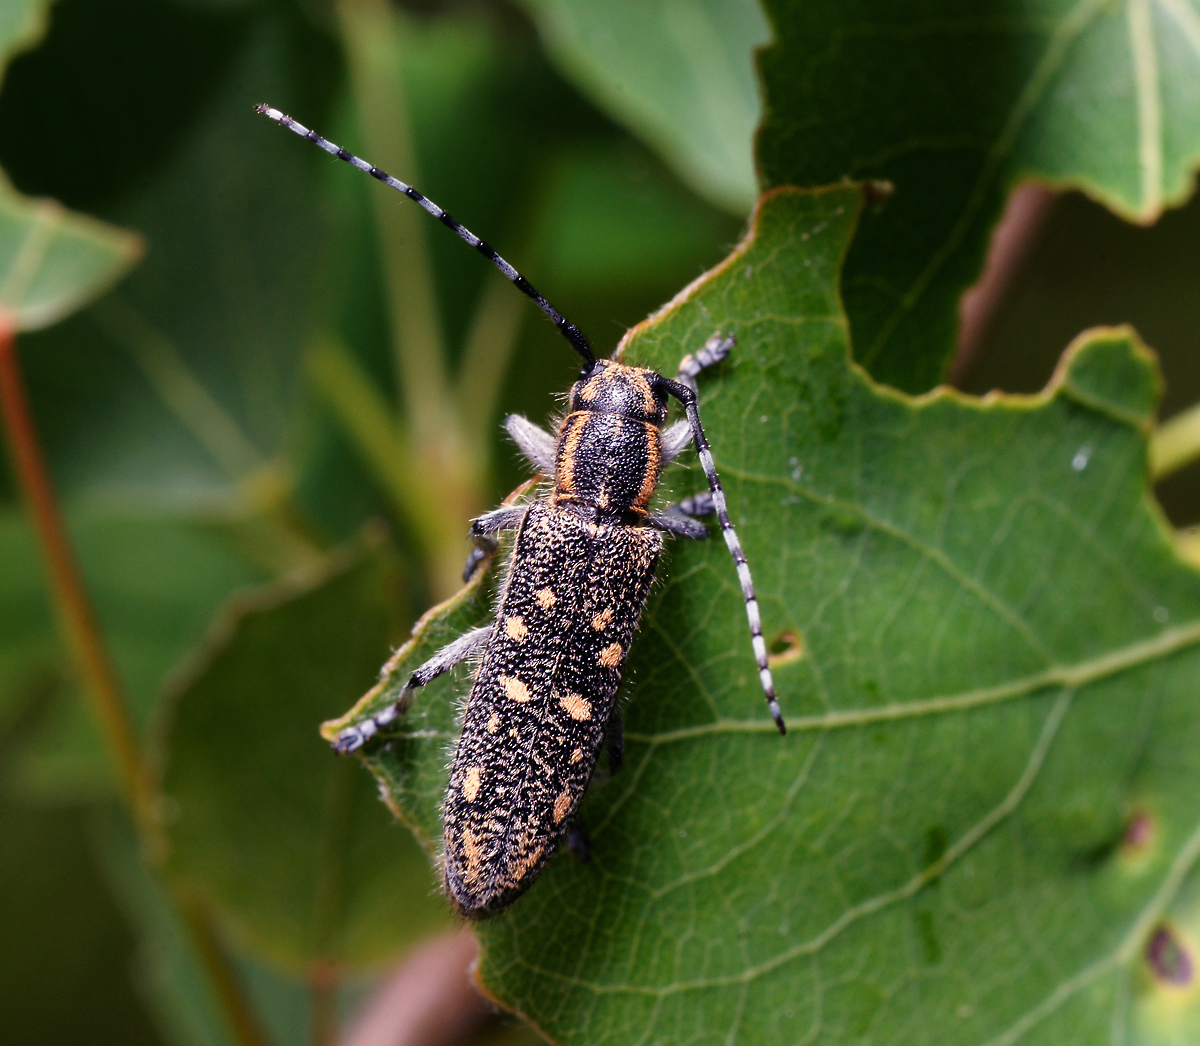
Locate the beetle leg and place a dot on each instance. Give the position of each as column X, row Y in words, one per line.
column 678, row 524
column 484, row 530
column 677, row 438
column 533, row 441
column 686, row 395
column 697, row 505
column 678, row 519
column 354, row 737
column 715, row 349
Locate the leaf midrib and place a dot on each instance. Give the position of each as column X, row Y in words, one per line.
column 1074, row 676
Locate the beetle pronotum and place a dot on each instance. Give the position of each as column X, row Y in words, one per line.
column 582, row 564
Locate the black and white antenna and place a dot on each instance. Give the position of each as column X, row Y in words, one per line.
column 568, row 330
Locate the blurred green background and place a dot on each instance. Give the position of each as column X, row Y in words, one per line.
column 229, row 413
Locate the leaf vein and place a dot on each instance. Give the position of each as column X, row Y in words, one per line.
column 1075, row 676
column 871, row 905
column 936, row 555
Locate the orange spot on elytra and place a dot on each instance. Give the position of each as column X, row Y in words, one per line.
column 515, row 689
column 577, row 707
column 611, row 655
column 471, row 783
column 474, row 855
column 561, row 805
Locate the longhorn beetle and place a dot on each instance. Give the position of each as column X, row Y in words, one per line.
column 544, row 698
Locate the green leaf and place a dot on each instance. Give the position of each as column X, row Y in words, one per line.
column 175, row 984
column 29, row 647
column 289, row 844
column 679, row 75
column 636, row 224
column 174, row 980
column 156, row 584
column 22, row 24
column 953, row 104
column 53, row 261
column 984, row 811
column 64, row 967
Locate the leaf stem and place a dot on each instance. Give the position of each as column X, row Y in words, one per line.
column 1188, row 543
column 382, row 444
column 373, row 40
column 322, row 994
column 1176, row 443
column 78, row 619
column 101, row 684
column 377, row 42
column 224, row 978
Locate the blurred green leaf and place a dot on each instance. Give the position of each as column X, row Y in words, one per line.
column 52, row 261
column 289, row 844
column 613, row 218
column 64, row 966
column 983, row 807
column 238, row 235
column 679, row 74
column 173, row 980
column 953, row 104
column 156, row 584
column 22, row 24
column 29, row 649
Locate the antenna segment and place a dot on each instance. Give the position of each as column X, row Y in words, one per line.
column 568, row 330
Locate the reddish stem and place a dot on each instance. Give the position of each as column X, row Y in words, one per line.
column 1013, row 238
column 322, row 991
column 212, row 955
column 428, row 1000
column 66, row 581
column 101, row 685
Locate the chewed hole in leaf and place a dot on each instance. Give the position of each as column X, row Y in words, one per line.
column 1139, row 833
column 1169, row 960
column 784, row 649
